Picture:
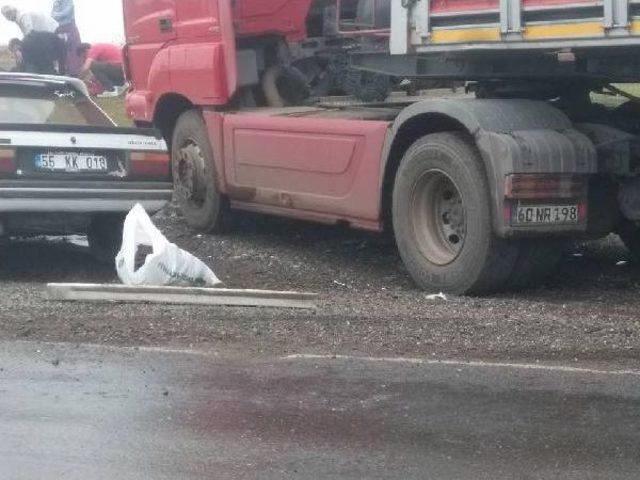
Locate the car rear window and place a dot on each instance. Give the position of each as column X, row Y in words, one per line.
column 48, row 104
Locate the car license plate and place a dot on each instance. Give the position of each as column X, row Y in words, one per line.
column 71, row 162
column 546, row 214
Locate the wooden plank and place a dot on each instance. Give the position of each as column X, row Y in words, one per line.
column 180, row 296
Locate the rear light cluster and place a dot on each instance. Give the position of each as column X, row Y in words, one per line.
column 7, row 161
column 527, row 186
column 149, row 165
column 545, row 199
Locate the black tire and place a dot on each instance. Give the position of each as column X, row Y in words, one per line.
column 194, row 176
column 105, row 236
column 472, row 261
column 285, row 86
column 536, row 261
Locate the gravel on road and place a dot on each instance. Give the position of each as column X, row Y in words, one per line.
column 588, row 311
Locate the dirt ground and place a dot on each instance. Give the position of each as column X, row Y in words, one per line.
column 588, row 311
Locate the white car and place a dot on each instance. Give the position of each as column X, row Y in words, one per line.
column 66, row 168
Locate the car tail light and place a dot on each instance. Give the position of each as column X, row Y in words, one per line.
column 149, row 165
column 7, row 161
column 527, row 186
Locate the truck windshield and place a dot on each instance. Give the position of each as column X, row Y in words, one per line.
column 48, row 104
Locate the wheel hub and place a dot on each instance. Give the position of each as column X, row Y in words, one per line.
column 191, row 182
column 451, row 214
column 439, row 217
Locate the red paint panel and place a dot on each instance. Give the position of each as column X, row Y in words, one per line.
column 301, row 169
column 141, row 102
column 328, row 166
column 145, row 40
column 198, row 72
column 444, row 6
column 452, row 6
column 197, row 19
column 259, row 17
column 228, row 38
column 141, row 20
column 294, row 151
column 203, row 64
column 262, row 8
column 194, row 55
column 552, row 3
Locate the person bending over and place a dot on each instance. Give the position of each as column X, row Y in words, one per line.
column 104, row 61
column 39, row 52
column 29, row 21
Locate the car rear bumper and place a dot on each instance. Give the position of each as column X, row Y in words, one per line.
column 82, row 197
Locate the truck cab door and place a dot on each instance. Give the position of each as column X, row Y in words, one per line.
column 203, row 60
column 197, row 18
column 146, row 25
column 148, row 28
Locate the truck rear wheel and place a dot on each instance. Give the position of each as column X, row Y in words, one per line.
column 194, row 176
column 442, row 218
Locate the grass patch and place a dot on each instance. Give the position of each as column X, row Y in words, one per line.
column 116, row 110
column 613, row 100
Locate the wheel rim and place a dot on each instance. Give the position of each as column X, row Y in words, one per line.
column 190, row 179
column 438, row 217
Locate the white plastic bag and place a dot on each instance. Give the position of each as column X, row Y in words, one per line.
column 165, row 265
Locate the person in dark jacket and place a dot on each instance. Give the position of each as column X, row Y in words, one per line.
column 39, row 52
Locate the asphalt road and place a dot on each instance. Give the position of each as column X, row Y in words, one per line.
column 83, row 412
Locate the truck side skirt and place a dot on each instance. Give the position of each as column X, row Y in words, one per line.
column 309, row 168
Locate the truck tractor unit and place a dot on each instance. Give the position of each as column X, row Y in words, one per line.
column 482, row 190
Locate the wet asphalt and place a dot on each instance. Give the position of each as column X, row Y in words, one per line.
column 84, row 412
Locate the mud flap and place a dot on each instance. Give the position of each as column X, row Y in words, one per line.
column 532, row 151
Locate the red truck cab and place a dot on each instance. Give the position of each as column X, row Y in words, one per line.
column 190, row 47
column 463, row 183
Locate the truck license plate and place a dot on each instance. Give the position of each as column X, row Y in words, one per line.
column 71, row 162
column 546, row 214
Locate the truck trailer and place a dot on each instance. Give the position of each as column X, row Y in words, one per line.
column 481, row 191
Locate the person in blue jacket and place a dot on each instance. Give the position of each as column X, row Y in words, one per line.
column 63, row 12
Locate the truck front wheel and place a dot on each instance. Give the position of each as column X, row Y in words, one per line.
column 442, row 218
column 194, row 176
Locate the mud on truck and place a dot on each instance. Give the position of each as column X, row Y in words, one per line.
column 481, row 191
